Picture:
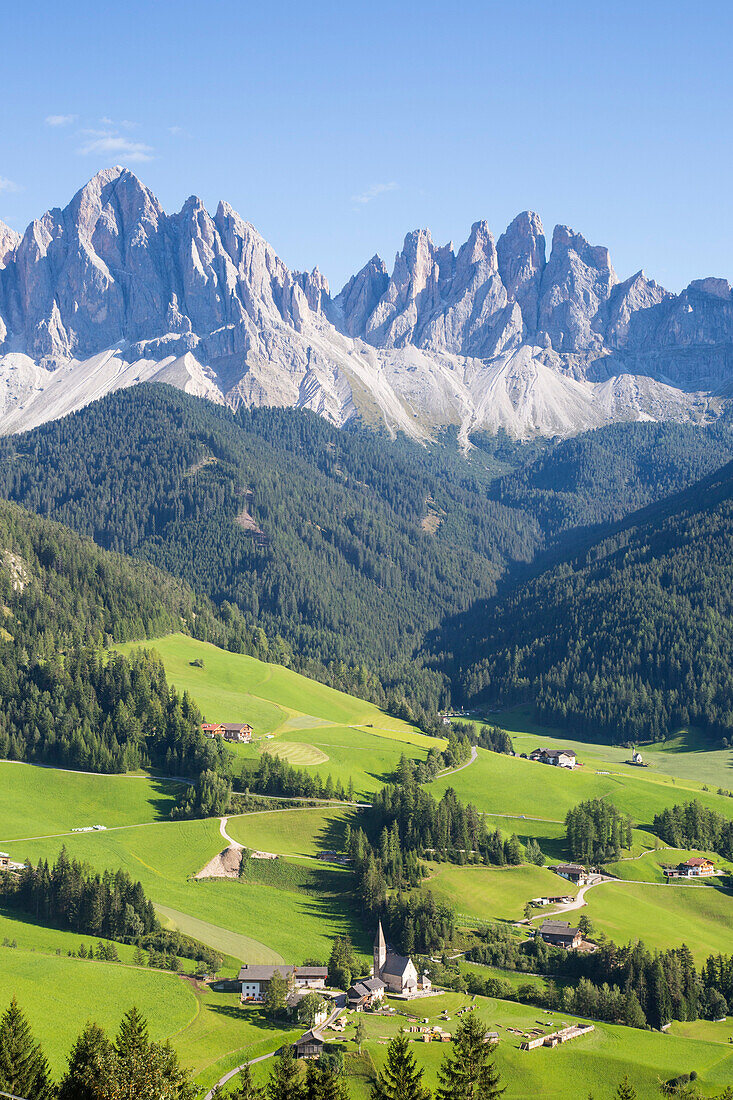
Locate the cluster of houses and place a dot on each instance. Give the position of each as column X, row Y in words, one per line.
column 392, row 973
column 239, row 732
column 558, row 758
column 696, row 867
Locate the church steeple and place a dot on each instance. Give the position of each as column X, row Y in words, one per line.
column 380, row 952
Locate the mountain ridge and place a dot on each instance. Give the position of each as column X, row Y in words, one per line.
column 111, row 290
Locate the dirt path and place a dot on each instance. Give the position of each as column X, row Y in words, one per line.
column 223, row 830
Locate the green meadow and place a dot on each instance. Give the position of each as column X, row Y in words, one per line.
column 648, row 868
column 38, row 801
column 664, row 915
column 292, row 832
column 230, row 685
column 593, row 1064
column 307, row 723
column 287, row 922
column 60, row 994
column 487, row 893
column 499, row 784
column 688, row 755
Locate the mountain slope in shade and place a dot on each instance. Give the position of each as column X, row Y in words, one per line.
column 630, row 640
column 111, row 290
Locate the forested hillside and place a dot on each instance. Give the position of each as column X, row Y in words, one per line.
column 61, row 699
column 632, row 638
column 351, row 547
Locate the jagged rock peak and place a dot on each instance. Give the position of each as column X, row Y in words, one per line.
column 521, row 258
column 9, row 241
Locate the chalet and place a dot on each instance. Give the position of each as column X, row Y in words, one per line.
column 558, row 933
column 309, row 1045
column 231, row 731
column 573, row 872
column 255, row 980
column 696, row 867
column 365, row 994
column 559, row 758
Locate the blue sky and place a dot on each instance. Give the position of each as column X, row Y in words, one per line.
column 336, row 128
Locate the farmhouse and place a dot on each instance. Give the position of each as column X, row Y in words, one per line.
column 573, row 872
column 560, row 934
column 231, row 731
column 256, row 980
column 559, row 758
column 365, row 993
column 696, row 867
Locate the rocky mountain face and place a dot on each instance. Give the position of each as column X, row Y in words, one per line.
column 111, row 291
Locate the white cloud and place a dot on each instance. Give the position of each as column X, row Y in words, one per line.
column 125, row 124
column 374, row 192
column 60, row 120
column 7, row 186
column 106, row 141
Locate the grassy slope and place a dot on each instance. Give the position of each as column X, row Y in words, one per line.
column 38, row 801
column 664, row 916
column 291, row 832
column 687, row 756
column 230, row 683
column 594, row 1063
column 482, row 893
column 649, row 867
column 59, row 994
column 333, row 733
column 508, row 785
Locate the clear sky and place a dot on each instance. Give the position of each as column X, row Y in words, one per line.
column 337, row 127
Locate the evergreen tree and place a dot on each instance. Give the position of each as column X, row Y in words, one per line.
column 359, row 1033
column 469, row 1072
column 132, row 1037
column 88, row 1065
column 321, row 1083
column 625, row 1091
column 400, row 1079
column 285, row 1082
column 23, row 1068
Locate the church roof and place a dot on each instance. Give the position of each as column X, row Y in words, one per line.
column 396, row 964
column 379, row 941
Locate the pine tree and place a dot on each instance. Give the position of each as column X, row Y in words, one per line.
column 284, row 1082
column 400, row 1079
column 625, row 1091
column 23, row 1067
column 360, row 1033
column 132, row 1038
column 88, row 1065
column 469, row 1071
column 321, row 1083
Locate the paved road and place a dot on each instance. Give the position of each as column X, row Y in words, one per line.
column 340, row 1003
column 452, row 771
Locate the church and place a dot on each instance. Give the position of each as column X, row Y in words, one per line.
column 396, row 971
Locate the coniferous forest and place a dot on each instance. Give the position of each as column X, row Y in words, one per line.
column 367, row 562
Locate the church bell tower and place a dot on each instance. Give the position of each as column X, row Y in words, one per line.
column 380, row 952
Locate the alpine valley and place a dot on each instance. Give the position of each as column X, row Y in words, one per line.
column 111, row 290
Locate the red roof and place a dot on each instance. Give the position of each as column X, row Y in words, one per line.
column 697, row 861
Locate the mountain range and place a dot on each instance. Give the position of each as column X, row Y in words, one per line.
column 111, row 290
